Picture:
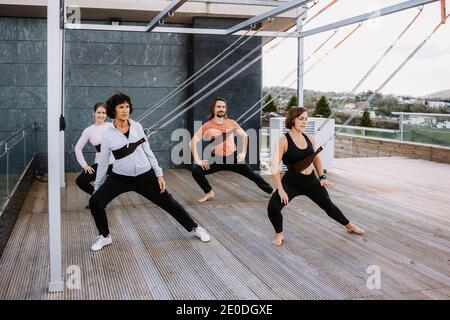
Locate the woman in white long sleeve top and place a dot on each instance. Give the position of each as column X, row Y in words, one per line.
column 135, row 168
column 93, row 135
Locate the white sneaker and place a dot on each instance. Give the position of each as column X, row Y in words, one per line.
column 201, row 233
column 100, row 242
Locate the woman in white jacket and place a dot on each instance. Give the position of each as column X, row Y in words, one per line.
column 93, row 135
column 135, row 168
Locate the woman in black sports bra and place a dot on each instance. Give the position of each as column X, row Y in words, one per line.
column 295, row 146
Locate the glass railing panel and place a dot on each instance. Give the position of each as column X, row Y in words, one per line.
column 3, row 179
column 16, row 162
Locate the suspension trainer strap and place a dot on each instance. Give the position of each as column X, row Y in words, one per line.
column 170, row 116
column 288, row 75
column 320, row 11
column 126, row 150
column 443, row 12
column 211, row 64
column 304, row 163
column 391, row 76
column 369, row 72
column 293, row 71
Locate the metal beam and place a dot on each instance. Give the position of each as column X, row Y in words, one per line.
column 219, row 32
column 300, row 63
column 167, row 11
column 62, row 166
column 367, row 16
column 54, row 76
column 293, row 4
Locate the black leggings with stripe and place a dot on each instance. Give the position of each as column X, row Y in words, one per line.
column 146, row 185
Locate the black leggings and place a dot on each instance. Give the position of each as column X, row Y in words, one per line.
column 146, row 185
column 84, row 179
column 296, row 184
column 229, row 163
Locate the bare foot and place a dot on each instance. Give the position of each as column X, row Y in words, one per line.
column 278, row 240
column 207, row 196
column 354, row 229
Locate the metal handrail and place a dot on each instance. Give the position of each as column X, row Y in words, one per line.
column 18, row 132
column 401, row 114
column 368, row 128
column 421, row 114
column 8, row 147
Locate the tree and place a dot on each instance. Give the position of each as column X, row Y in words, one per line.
column 418, row 107
column 292, row 102
column 444, row 109
column 271, row 106
column 322, row 108
column 377, row 101
column 365, row 120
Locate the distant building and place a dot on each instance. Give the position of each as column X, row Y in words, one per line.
column 349, row 106
column 443, row 125
column 339, row 98
column 437, row 104
column 410, row 100
column 414, row 121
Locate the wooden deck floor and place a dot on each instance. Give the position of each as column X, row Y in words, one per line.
column 403, row 204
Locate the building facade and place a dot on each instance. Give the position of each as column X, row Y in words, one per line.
column 146, row 66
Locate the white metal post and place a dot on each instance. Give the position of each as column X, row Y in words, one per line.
column 62, row 182
column 300, row 58
column 54, row 86
column 401, row 127
column 61, row 133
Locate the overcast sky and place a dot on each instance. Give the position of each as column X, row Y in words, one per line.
column 427, row 72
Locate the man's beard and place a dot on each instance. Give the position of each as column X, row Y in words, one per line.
column 221, row 114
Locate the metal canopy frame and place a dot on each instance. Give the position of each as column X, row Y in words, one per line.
column 293, row 4
column 367, row 16
column 237, row 29
column 181, row 30
column 166, row 12
column 56, row 23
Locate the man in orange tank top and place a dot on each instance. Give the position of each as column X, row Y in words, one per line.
column 221, row 131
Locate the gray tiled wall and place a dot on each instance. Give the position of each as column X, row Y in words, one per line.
column 244, row 90
column 145, row 66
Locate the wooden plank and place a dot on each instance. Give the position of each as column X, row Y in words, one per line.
column 400, row 202
column 21, row 277
column 306, row 261
column 13, row 247
column 226, row 265
column 182, row 281
column 154, row 286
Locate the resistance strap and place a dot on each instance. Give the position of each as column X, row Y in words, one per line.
column 305, row 72
column 170, row 116
column 127, row 149
column 211, row 64
column 288, row 75
column 369, row 72
column 408, row 58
